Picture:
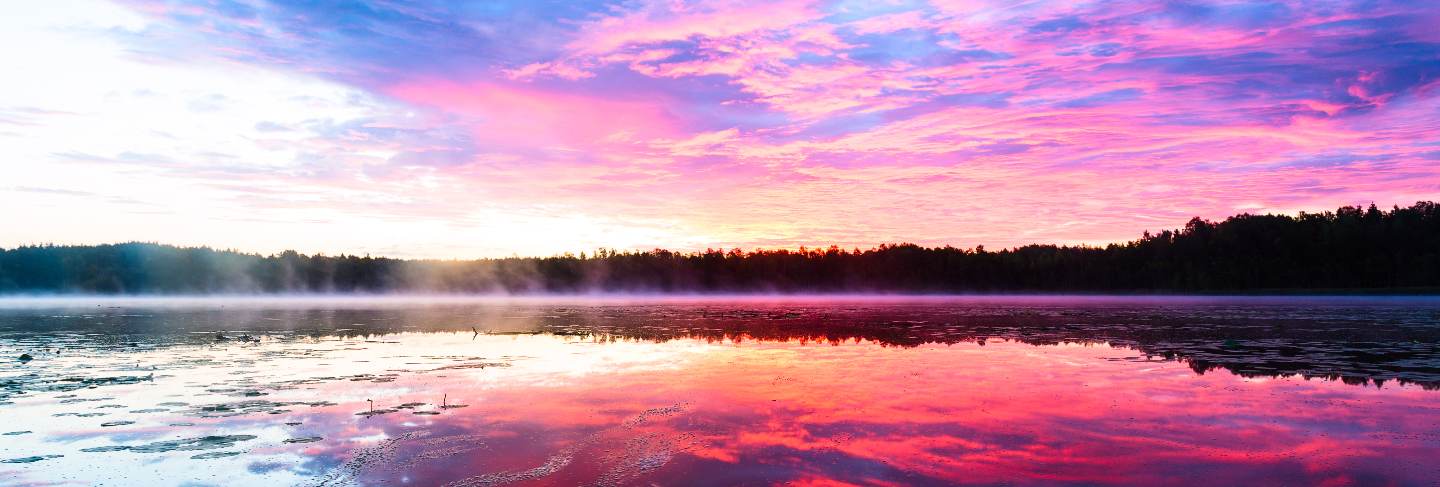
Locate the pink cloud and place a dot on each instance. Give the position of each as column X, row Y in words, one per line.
column 526, row 117
column 780, row 124
column 675, row 21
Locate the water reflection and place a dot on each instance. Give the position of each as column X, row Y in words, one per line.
column 1357, row 340
column 716, row 393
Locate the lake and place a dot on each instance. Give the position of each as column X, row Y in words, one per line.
column 984, row 390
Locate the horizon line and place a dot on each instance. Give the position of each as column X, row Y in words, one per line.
column 686, row 250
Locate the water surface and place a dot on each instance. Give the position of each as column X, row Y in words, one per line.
column 722, row 391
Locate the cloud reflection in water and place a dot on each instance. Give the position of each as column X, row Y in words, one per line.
column 566, row 395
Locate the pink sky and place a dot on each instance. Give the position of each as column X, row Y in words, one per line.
column 535, row 128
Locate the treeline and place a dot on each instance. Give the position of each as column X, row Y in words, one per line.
column 1350, row 248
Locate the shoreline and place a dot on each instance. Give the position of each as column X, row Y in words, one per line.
column 387, row 300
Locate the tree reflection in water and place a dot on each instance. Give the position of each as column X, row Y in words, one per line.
column 979, row 390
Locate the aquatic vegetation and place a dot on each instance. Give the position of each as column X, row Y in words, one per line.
column 241, row 408
column 617, row 394
column 189, row 444
column 218, row 454
column 31, row 459
column 375, row 412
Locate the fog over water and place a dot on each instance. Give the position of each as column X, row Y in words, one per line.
column 360, row 300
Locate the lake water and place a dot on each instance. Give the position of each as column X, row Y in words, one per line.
column 721, row 391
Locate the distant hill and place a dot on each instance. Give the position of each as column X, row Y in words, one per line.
column 1351, row 248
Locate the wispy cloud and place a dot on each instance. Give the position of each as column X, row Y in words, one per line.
column 804, row 122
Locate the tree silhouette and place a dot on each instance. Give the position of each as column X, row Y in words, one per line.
column 1348, row 249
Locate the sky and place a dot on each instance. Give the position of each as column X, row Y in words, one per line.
column 535, row 127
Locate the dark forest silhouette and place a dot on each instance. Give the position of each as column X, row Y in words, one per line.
column 1351, row 248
